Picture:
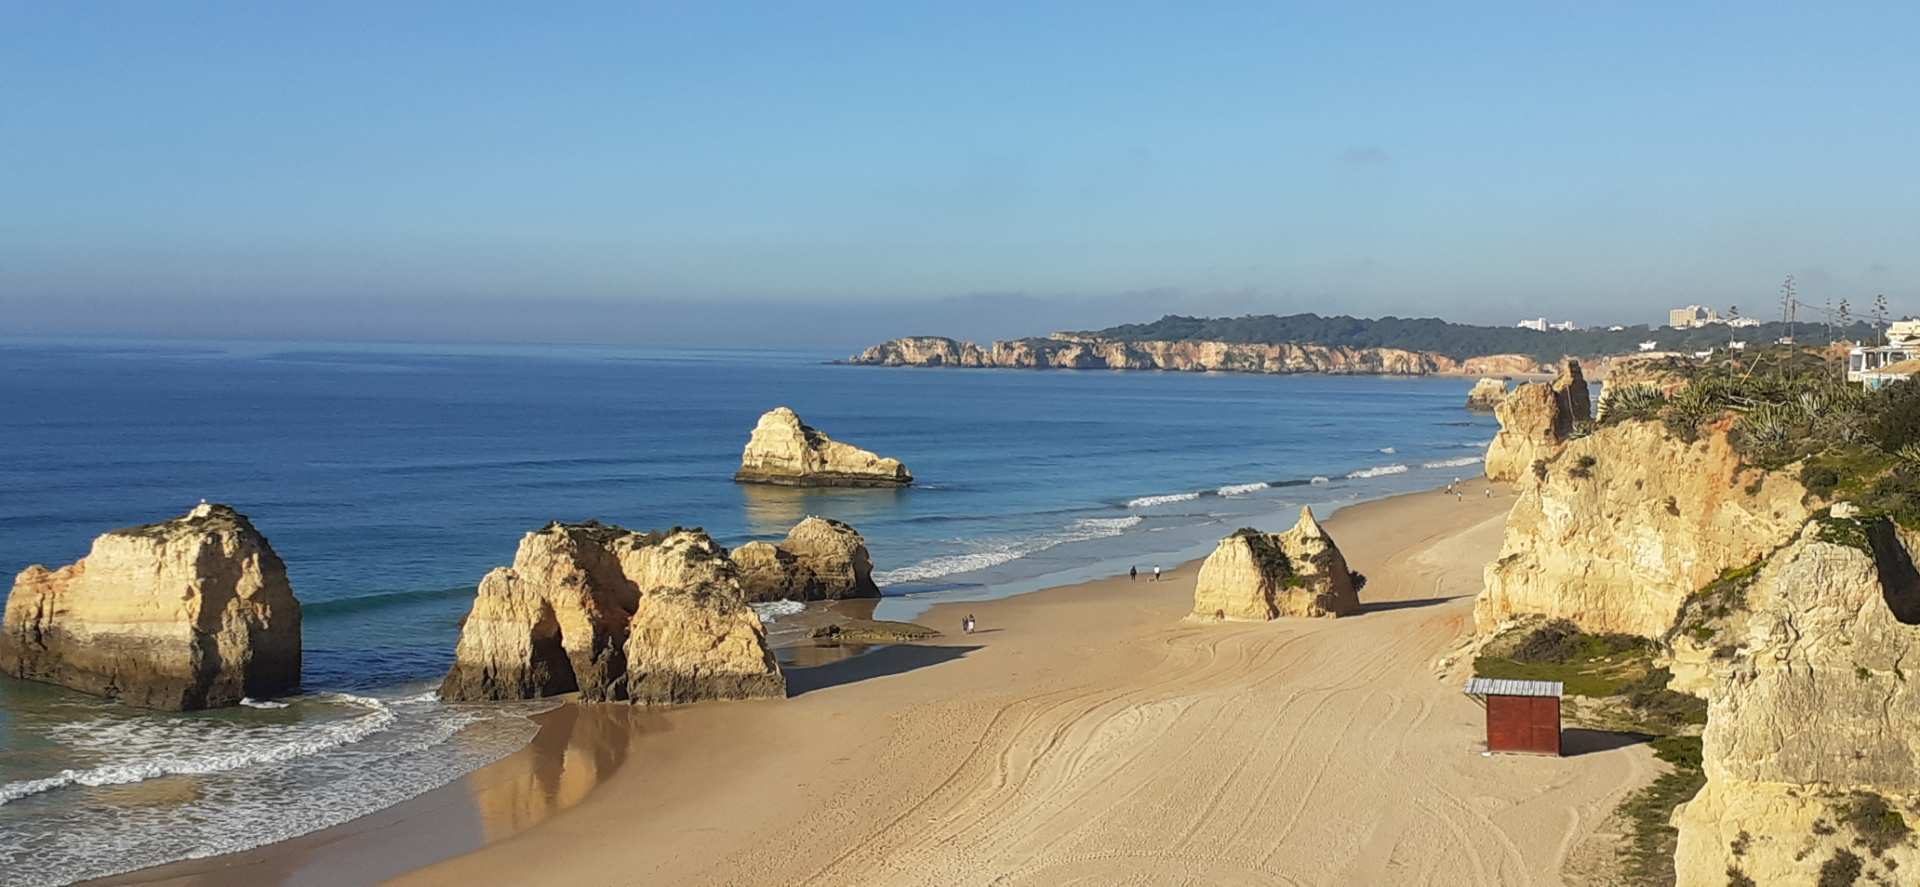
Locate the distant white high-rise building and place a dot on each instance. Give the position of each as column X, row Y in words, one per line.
column 1535, row 324
column 1692, row 316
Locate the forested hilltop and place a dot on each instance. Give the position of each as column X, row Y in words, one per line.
column 1457, row 340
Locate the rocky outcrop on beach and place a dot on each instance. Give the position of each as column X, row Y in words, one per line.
column 1619, row 527
column 1811, row 750
column 190, row 613
column 613, row 614
column 1255, row 576
column 1486, row 394
column 1535, row 420
column 693, row 637
column 1075, row 351
column 783, row 450
column 821, row 559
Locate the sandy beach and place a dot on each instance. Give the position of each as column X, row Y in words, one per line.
column 1086, row 734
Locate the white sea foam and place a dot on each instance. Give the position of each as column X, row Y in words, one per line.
column 1388, row 450
column 990, row 553
column 1150, row 501
column 1319, row 479
column 1452, row 463
column 1242, row 489
column 251, row 702
column 270, row 745
column 1378, row 471
column 771, row 611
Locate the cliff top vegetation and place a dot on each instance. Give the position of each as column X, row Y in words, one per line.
column 1456, row 340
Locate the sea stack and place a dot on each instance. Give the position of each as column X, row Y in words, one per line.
column 783, row 450
column 190, row 613
column 604, row 610
column 821, row 559
column 1255, row 576
column 1535, row 420
column 1486, row 394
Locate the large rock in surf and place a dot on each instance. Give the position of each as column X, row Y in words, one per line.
column 1535, row 420
column 1486, row 394
column 694, row 638
column 784, row 450
column 1622, row 525
column 1810, row 751
column 565, row 617
column 190, row 613
column 821, row 559
column 1255, row 576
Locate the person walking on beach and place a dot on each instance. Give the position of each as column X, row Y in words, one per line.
column 966, row 625
column 1133, row 573
column 1156, row 572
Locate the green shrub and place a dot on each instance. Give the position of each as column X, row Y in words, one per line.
column 1842, row 870
column 1896, row 416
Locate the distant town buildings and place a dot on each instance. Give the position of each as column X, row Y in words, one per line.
column 1565, row 326
column 1541, row 324
column 1649, row 346
column 1691, row 316
column 1878, row 365
column 1743, row 322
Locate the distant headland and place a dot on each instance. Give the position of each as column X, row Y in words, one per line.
column 1310, row 343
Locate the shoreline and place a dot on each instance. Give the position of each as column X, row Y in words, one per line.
column 761, row 792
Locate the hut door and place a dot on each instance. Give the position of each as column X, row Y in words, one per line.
column 1545, row 725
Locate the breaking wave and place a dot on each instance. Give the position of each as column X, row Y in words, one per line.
column 1150, row 501
column 1452, row 463
column 771, row 611
column 1240, row 489
column 992, row 553
column 1378, row 471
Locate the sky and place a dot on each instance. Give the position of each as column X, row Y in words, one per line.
column 840, row 173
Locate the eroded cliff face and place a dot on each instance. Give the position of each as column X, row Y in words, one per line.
column 821, row 559
column 783, row 450
column 1627, row 522
column 599, row 609
column 192, row 613
column 1535, row 421
column 1254, row 576
column 1813, row 726
column 1065, row 351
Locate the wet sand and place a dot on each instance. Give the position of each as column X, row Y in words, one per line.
column 1087, row 734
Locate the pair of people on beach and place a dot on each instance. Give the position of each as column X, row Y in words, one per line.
column 1133, row 573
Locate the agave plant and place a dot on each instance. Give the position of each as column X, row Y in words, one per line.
column 1768, row 428
column 1639, row 401
column 1909, row 455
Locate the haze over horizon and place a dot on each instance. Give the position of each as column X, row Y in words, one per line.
column 836, row 176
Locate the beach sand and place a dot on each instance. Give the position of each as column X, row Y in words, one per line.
column 1088, row 734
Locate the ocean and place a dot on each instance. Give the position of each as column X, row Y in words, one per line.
column 390, row 478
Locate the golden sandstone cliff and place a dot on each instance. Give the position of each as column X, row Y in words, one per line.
column 821, row 559
column 1812, row 745
column 191, row 613
column 1620, row 526
column 783, row 450
column 1535, row 420
column 1068, row 351
column 614, row 614
column 1255, row 576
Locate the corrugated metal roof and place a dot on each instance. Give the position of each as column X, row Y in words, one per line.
column 1511, row 687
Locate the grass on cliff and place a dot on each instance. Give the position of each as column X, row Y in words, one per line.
column 1588, row 664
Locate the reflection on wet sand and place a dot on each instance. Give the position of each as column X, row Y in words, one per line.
column 773, row 510
column 579, row 747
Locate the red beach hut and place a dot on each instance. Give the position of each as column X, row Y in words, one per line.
column 1522, row 716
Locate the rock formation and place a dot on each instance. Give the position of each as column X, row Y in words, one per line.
column 1486, row 394
column 820, row 559
column 1535, row 420
column 190, row 613
column 1811, row 749
column 783, row 450
column 1623, row 524
column 613, row 614
column 694, row 637
column 1077, row 351
column 1255, row 576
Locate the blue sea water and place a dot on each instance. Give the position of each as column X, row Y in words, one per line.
column 391, row 477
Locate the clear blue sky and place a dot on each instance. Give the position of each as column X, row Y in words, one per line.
column 835, row 172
